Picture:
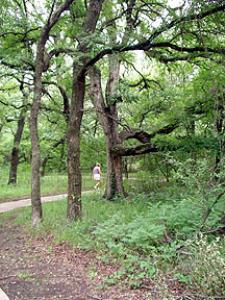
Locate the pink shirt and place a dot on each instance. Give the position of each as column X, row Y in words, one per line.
column 96, row 170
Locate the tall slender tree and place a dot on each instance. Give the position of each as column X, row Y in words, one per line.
column 41, row 65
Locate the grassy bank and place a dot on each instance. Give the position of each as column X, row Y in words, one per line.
column 51, row 184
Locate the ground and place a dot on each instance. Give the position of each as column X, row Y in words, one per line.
column 32, row 268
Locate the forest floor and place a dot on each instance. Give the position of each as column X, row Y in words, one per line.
column 33, row 268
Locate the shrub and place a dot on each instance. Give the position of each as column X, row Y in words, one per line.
column 207, row 267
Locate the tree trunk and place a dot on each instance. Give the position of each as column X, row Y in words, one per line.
column 41, row 65
column 125, row 168
column 74, row 208
column 107, row 111
column 36, row 160
column 108, row 118
column 62, row 161
column 114, row 162
column 14, row 161
column 114, row 182
column 219, row 129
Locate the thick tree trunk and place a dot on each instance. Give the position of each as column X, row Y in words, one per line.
column 14, row 161
column 108, row 119
column 114, row 182
column 114, row 162
column 74, row 207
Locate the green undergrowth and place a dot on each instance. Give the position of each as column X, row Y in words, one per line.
column 145, row 237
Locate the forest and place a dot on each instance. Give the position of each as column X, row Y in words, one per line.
column 138, row 88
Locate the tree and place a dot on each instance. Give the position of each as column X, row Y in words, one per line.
column 41, row 65
column 14, row 159
column 107, row 109
column 76, row 110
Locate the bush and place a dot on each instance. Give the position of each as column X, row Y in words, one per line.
column 208, row 268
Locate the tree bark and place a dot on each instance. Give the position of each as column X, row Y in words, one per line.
column 114, row 184
column 108, row 118
column 14, row 160
column 74, row 207
column 40, row 67
column 35, row 160
column 219, row 129
column 125, row 168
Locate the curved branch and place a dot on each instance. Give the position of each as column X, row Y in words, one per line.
column 145, row 137
column 148, row 44
column 133, row 151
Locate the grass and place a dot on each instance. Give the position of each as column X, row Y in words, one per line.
column 51, row 184
column 140, row 214
column 95, row 211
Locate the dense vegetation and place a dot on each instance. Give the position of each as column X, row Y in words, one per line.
column 137, row 86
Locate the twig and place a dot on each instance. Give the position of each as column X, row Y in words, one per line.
column 7, row 277
column 18, row 275
column 184, row 298
column 214, row 230
column 199, row 297
column 210, row 209
column 94, row 297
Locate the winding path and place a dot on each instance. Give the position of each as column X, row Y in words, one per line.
column 7, row 206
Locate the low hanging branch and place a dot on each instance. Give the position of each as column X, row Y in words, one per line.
column 133, row 151
column 145, row 137
column 138, row 134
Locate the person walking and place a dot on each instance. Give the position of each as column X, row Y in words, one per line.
column 96, row 174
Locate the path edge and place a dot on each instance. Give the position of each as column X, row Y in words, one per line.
column 3, row 295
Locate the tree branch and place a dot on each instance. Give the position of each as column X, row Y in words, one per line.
column 143, row 136
column 148, row 44
column 133, row 151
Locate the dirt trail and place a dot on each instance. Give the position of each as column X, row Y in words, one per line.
column 38, row 269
